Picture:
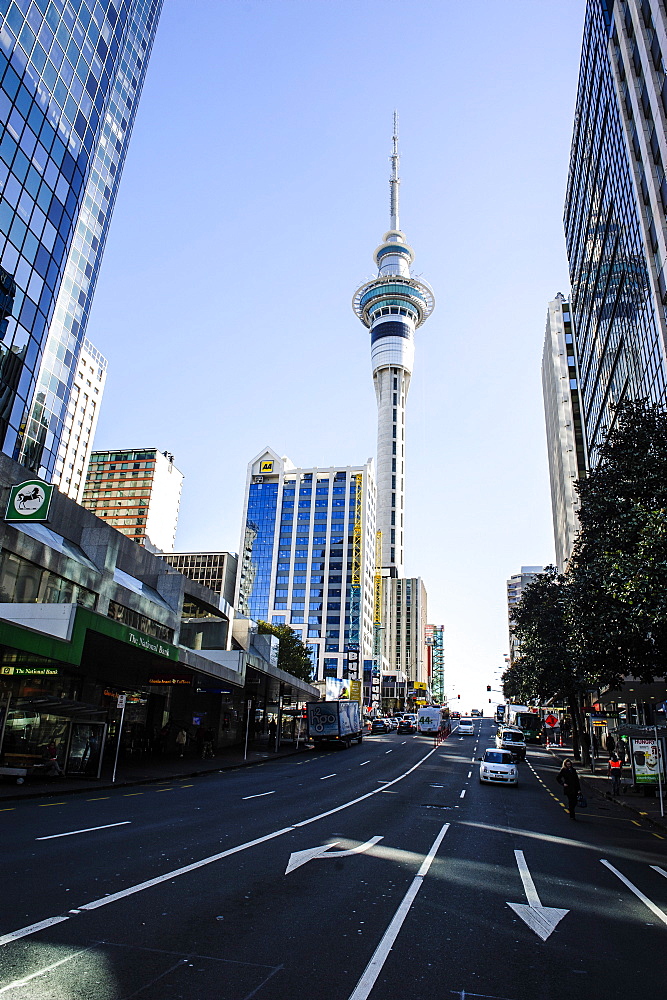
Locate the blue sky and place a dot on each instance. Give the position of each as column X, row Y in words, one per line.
column 254, row 193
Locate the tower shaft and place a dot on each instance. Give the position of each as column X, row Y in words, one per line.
column 392, row 305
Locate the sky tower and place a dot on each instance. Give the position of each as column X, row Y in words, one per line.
column 392, row 305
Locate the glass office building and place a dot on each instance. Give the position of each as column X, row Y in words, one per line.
column 615, row 212
column 296, row 555
column 71, row 73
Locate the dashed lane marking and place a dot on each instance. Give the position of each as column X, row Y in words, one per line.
column 364, row 762
column 324, row 777
column 164, row 789
column 129, row 795
column 88, row 829
column 462, row 795
column 99, row 798
column 45, row 805
column 257, row 795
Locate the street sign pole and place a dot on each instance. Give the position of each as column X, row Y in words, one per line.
column 658, row 746
column 122, row 698
column 247, row 729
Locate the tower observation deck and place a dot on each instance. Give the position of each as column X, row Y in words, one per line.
column 392, row 305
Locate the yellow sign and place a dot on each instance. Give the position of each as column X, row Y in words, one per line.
column 265, row 467
column 355, row 691
column 419, row 685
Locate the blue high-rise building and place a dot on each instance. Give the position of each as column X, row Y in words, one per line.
column 71, row 74
column 297, row 555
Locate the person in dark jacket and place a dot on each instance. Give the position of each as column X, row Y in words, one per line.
column 569, row 779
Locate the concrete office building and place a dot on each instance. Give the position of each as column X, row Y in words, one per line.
column 616, row 209
column 83, row 410
column 562, row 411
column 515, row 588
column 297, row 553
column 70, row 80
column 138, row 491
column 86, row 615
column 215, row 570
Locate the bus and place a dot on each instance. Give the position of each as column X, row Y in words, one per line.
column 500, row 714
column 530, row 725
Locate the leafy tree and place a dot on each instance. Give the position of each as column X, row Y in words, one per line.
column 293, row 656
column 617, row 575
column 547, row 668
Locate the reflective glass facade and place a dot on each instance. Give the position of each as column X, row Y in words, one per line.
column 615, row 311
column 296, row 563
column 71, row 74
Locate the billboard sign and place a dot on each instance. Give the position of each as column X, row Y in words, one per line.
column 647, row 759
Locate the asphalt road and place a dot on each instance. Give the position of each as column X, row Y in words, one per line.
column 384, row 871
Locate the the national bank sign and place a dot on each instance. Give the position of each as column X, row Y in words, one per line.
column 151, row 645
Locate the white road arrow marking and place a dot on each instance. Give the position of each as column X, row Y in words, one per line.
column 299, row 858
column 541, row 919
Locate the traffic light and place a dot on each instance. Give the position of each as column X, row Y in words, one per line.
column 459, row 697
column 489, row 701
column 488, row 688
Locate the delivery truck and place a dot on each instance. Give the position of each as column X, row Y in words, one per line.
column 334, row 722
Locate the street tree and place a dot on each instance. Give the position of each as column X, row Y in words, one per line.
column 293, row 656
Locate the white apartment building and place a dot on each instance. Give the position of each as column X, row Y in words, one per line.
column 565, row 443
column 139, row 492
column 83, row 411
column 515, row 588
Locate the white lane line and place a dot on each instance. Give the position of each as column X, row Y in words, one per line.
column 42, row 972
column 258, row 795
column 324, row 778
column 87, row 829
column 364, row 762
column 374, row 967
column 31, row 929
column 470, row 774
column 638, row 893
column 661, row 871
column 462, row 795
column 403, row 743
column 389, row 751
column 96, row 903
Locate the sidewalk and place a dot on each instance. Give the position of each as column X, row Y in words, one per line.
column 150, row 769
column 598, row 784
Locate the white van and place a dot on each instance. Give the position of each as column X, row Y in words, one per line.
column 466, row 727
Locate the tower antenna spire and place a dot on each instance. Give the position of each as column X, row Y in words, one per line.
column 394, row 180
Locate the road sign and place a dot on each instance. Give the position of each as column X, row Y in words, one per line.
column 122, row 700
column 551, row 720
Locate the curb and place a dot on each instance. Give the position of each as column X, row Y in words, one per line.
column 46, row 794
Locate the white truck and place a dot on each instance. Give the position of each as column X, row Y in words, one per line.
column 432, row 719
column 334, row 722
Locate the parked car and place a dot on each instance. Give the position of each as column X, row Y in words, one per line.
column 379, row 726
column 512, row 740
column 466, row 727
column 498, row 766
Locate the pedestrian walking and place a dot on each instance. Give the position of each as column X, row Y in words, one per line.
column 181, row 740
column 569, row 779
column 611, row 744
column 273, row 731
column 614, row 769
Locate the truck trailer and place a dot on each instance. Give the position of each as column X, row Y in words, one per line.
column 334, row 722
